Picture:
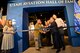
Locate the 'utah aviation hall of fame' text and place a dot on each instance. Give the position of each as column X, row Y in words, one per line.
column 41, row 2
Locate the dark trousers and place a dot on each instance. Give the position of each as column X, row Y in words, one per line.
column 48, row 37
column 56, row 40
column 1, row 37
column 1, row 41
column 61, row 32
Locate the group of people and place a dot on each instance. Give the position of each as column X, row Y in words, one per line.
column 55, row 26
column 6, row 35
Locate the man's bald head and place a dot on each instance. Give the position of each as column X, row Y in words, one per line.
column 54, row 16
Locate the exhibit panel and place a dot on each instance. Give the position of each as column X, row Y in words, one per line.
column 19, row 10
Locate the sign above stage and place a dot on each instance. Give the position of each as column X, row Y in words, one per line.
column 41, row 2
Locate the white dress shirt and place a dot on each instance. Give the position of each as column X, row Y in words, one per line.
column 59, row 22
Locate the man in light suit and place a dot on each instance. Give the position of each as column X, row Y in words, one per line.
column 37, row 34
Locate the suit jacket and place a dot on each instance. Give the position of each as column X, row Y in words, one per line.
column 53, row 27
column 56, row 36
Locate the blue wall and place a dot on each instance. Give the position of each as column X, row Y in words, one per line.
column 25, row 27
column 21, row 38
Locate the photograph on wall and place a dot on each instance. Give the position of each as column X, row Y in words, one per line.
column 77, row 16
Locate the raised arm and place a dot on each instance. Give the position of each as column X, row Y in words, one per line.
column 1, row 12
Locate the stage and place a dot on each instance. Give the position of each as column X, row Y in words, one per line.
column 69, row 49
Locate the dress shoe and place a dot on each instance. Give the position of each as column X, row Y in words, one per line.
column 63, row 48
column 58, row 51
column 38, row 49
column 53, row 47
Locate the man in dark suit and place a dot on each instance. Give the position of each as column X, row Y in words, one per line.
column 55, row 34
